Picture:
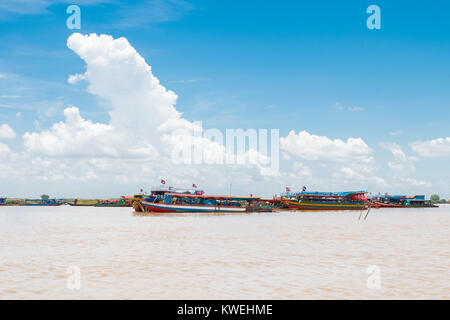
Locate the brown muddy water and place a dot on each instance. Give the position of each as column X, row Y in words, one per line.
column 110, row 253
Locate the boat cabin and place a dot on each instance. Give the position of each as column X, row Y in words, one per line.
column 204, row 200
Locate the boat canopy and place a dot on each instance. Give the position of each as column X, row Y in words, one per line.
column 343, row 194
column 216, row 197
column 398, row 197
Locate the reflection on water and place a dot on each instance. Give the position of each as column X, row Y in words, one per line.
column 279, row 255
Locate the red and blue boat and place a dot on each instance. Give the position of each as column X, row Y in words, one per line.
column 176, row 202
column 400, row 201
column 349, row 200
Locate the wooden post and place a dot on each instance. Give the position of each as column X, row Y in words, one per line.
column 368, row 210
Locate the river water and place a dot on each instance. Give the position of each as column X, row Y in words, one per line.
column 110, row 253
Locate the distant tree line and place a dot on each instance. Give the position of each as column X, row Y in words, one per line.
column 436, row 199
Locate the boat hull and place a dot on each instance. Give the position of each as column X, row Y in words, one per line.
column 322, row 206
column 386, row 205
column 166, row 207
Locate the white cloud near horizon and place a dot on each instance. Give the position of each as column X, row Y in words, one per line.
column 439, row 147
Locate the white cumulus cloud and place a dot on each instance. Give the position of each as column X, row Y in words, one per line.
column 313, row 147
column 79, row 137
column 6, row 132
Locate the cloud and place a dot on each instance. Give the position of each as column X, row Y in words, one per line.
column 414, row 182
column 349, row 175
column 6, row 132
column 75, row 78
column 439, row 147
column 116, row 73
column 10, row 8
column 313, row 147
column 77, row 137
column 340, row 107
column 301, row 170
column 4, row 149
column 402, row 164
column 151, row 11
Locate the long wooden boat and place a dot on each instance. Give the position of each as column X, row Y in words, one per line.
column 400, row 201
column 352, row 200
column 116, row 203
column 42, row 203
column 157, row 195
column 83, row 203
column 175, row 202
column 376, row 204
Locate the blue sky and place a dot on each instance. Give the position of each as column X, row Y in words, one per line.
column 292, row 65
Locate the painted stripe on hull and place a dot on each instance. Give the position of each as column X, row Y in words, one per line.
column 163, row 207
column 322, row 206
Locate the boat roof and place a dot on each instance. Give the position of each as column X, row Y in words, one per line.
column 330, row 194
column 416, row 197
column 182, row 195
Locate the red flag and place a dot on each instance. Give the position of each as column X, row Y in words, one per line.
column 163, row 181
column 142, row 190
column 288, row 189
column 194, row 185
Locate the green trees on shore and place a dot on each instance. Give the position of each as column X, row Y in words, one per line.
column 436, row 199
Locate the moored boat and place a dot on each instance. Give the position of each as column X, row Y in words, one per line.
column 114, row 203
column 351, row 200
column 175, row 202
column 83, row 203
column 157, row 195
column 400, row 201
column 43, row 203
column 3, row 201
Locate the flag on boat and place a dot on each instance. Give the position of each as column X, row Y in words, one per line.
column 142, row 190
column 304, row 188
column 194, row 185
column 288, row 189
column 170, row 188
column 199, row 192
column 163, row 181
